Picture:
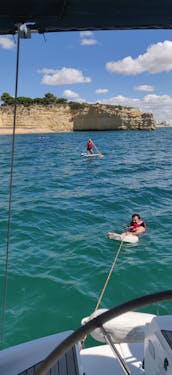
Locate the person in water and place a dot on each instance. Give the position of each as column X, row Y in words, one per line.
column 90, row 147
column 136, row 227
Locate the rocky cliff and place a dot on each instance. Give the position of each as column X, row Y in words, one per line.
column 65, row 118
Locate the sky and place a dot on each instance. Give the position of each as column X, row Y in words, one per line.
column 120, row 67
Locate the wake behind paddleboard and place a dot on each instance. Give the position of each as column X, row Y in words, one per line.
column 130, row 238
column 89, row 155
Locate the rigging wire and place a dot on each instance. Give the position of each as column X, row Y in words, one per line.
column 10, row 193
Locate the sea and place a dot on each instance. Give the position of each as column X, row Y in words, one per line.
column 55, row 254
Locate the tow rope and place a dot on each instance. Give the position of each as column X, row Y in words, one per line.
column 105, row 285
column 109, row 275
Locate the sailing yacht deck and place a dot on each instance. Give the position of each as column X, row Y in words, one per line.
column 25, row 359
column 67, row 365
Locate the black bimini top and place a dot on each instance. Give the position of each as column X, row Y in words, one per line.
column 67, row 15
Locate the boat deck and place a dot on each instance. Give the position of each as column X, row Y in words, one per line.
column 25, row 359
column 67, row 365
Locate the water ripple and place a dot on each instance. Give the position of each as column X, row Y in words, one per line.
column 62, row 208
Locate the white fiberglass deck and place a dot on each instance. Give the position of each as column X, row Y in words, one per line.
column 101, row 361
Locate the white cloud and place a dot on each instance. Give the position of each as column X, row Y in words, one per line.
column 144, row 88
column 47, row 71
column 157, row 58
column 87, row 38
column 101, row 91
column 88, row 42
column 6, row 42
column 122, row 100
column 80, row 100
column 70, row 94
column 64, row 76
column 86, row 34
column 126, row 66
column 160, row 106
column 73, row 95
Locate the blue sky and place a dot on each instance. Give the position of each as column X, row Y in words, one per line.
column 132, row 68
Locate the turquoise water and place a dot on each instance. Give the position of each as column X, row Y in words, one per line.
column 63, row 205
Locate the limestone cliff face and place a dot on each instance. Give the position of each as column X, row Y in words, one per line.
column 61, row 118
column 35, row 119
column 103, row 117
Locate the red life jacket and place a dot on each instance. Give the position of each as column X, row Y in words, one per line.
column 133, row 227
column 89, row 145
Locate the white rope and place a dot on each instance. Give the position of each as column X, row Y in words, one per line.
column 105, row 285
column 109, row 275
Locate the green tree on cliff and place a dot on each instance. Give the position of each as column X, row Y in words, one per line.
column 49, row 98
column 7, row 99
column 24, row 101
column 61, row 101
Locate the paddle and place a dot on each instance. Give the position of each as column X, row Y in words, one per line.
column 99, row 153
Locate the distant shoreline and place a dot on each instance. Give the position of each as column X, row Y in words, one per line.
column 20, row 131
column 46, row 130
column 5, row 131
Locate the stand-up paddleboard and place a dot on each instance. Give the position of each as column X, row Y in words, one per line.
column 130, row 238
column 89, row 155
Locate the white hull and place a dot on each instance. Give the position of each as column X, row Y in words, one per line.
column 18, row 358
column 91, row 361
column 99, row 360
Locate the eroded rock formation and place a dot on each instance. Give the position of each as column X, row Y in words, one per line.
column 62, row 118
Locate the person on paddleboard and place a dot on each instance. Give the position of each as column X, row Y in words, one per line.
column 90, row 147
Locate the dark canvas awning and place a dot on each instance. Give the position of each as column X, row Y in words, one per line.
column 65, row 15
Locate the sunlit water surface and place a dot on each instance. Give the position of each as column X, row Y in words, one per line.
column 63, row 205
